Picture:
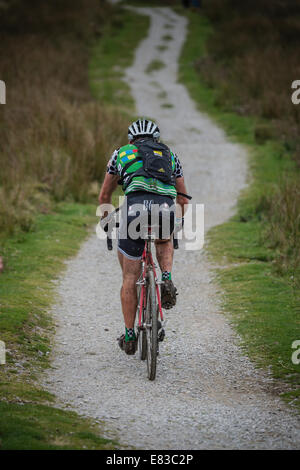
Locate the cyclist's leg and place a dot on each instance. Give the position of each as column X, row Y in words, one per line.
column 131, row 272
column 120, row 258
column 164, row 245
column 164, row 254
column 129, row 254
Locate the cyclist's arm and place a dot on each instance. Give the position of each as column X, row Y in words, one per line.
column 110, row 183
column 181, row 200
column 180, row 186
column 111, row 179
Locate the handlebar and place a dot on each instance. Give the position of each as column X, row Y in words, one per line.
column 109, row 240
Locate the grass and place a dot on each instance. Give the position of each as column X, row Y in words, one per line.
column 162, row 95
column 167, row 105
column 252, row 61
column 32, row 261
column 151, row 3
column 33, row 258
column 40, row 427
column 64, row 135
column 252, row 71
column 161, row 47
column 112, row 55
column 154, row 65
column 167, row 37
column 262, row 304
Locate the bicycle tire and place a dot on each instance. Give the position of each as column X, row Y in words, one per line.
column 142, row 340
column 151, row 329
column 142, row 345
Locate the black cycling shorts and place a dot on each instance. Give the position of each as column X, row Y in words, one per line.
column 139, row 211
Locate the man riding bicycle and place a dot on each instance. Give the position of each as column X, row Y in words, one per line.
column 150, row 173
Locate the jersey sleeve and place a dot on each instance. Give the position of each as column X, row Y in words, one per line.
column 112, row 164
column 178, row 171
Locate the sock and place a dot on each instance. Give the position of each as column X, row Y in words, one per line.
column 166, row 275
column 129, row 334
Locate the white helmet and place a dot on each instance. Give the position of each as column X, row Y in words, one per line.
column 143, row 127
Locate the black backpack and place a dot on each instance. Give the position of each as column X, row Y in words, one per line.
column 157, row 162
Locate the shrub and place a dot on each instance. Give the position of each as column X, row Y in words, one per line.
column 252, row 59
column 55, row 138
column 253, row 55
column 283, row 229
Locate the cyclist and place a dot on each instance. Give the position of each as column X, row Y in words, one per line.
column 150, row 173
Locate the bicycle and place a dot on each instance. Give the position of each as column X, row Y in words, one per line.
column 150, row 328
column 150, row 319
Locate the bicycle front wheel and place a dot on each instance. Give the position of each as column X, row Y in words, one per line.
column 151, row 329
column 143, row 341
column 142, row 338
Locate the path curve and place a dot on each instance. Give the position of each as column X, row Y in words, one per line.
column 207, row 393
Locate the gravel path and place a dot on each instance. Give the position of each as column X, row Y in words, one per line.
column 207, row 393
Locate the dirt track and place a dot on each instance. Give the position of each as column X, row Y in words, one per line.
column 207, row 394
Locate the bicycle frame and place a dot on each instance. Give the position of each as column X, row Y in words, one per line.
column 148, row 263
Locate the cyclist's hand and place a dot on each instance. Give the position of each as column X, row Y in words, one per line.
column 104, row 221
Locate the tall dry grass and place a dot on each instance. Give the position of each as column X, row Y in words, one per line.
column 283, row 228
column 252, row 60
column 55, row 139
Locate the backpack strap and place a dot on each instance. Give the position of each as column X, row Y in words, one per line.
column 125, row 168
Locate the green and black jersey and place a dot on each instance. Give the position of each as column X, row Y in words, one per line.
column 128, row 153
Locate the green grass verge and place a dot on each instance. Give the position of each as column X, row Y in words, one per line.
column 28, row 419
column 112, row 54
column 161, row 47
column 40, row 427
column 32, row 261
column 261, row 305
column 151, row 3
column 154, row 65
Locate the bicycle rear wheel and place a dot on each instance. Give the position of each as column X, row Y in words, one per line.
column 151, row 329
